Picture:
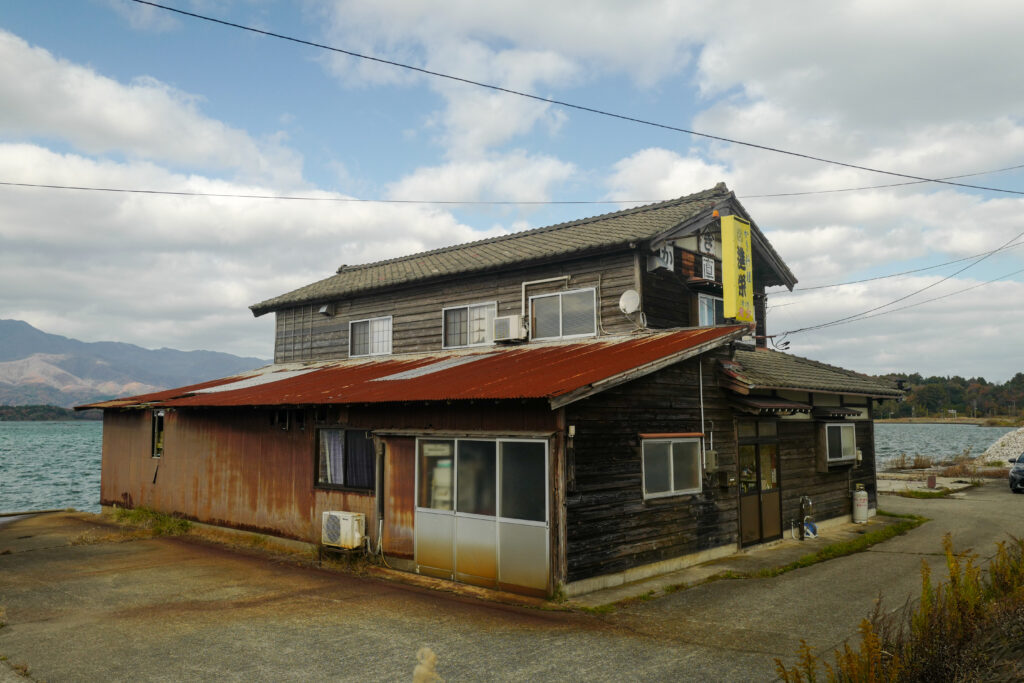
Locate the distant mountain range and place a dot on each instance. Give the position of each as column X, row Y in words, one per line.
column 41, row 368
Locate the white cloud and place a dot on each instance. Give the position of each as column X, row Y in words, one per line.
column 179, row 271
column 50, row 98
column 655, row 173
column 975, row 333
column 515, row 176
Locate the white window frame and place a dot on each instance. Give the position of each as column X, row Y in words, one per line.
column 593, row 293
column 701, row 298
column 671, row 475
column 845, row 428
column 369, row 340
column 489, row 334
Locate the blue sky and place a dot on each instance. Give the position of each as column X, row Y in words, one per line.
column 113, row 94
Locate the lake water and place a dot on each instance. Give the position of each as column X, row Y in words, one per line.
column 50, row 465
column 938, row 441
column 46, row 465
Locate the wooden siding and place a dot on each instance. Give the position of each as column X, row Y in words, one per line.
column 303, row 334
column 609, row 525
column 829, row 491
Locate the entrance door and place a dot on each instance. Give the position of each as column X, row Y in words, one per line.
column 481, row 511
column 760, row 499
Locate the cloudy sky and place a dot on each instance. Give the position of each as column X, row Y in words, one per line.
column 113, row 94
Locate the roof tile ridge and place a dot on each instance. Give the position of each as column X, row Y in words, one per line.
column 719, row 189
column 845, row 371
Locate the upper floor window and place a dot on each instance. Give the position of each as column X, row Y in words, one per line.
column 711, row 310
column 371, row 337
column 469, row 325
column 563, row 314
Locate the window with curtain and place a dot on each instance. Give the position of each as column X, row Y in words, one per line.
column 346, row 458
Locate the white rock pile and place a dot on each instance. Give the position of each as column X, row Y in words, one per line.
column 1009, row 446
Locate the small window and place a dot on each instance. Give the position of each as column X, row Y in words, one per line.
column 158, row 433
column 371, row 337
column 671, row 467
column 346, row 458
column 565, row 314
column 469, row 325
column 711, row 310
column 840, row 443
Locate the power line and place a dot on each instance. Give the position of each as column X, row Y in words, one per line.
column 569, row 105
column 467, row 202
column 877, row 187
column 905, row 272
column 863, row 314
column 299, row 198
column 844, row 321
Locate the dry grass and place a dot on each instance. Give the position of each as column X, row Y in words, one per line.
column 969, row 628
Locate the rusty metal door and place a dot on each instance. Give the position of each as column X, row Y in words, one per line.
column 399, row 495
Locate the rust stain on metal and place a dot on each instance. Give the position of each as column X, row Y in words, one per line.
column 399, row 495
column 541, row 371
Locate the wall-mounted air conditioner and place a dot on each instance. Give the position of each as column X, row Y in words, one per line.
column 343, row 529
column 509, row 327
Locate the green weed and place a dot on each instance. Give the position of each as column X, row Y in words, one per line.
column 157, row 523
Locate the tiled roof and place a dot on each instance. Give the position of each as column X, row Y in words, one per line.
column 560, row 372
column 768, row 369
column 588, row 234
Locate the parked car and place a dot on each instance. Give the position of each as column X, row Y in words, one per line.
column 1017, row 474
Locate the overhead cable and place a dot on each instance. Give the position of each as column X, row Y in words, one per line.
column 465, row 202
column 798, row 290
column 570, row 105
column 845, row 321
column 863, row 314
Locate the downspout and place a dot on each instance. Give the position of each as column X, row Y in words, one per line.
column 700, row 388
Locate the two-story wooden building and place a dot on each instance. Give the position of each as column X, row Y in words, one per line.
column 560, row 408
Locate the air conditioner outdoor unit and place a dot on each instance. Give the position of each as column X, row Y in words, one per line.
column 343, row 529
column 509, row 327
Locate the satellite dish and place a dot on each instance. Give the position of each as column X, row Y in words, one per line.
column 629, row 302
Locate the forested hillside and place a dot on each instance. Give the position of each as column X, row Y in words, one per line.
column 974, row 397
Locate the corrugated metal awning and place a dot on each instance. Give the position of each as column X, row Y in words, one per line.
column 559, row 372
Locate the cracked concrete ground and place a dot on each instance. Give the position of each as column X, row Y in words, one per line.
column 173, row 609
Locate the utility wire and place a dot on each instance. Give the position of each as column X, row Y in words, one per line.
column 878, row 187
column 844, row 321
column 467, row 202
column 296, row 198
column 905, row 272
column 570, row 105
column 863, row 314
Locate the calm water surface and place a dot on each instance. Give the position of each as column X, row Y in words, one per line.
column 934, row 441
column 47, row 465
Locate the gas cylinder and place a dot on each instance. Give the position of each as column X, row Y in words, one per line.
column 860, row 505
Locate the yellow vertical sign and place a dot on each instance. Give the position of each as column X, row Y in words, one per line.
column 737, row 270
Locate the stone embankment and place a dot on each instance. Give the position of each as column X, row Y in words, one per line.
column 1009, row 446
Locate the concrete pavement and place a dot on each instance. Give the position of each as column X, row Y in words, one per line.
column 83, row 605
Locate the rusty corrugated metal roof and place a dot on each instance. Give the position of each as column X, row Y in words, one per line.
column 558, row 372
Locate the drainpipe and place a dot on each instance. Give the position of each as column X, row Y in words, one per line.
column 539, row 282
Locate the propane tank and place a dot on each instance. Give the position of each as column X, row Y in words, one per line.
column 860, row 505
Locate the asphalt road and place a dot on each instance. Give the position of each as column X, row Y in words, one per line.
column 168, row 609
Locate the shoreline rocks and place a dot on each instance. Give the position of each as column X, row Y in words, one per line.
column 1010, row 445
